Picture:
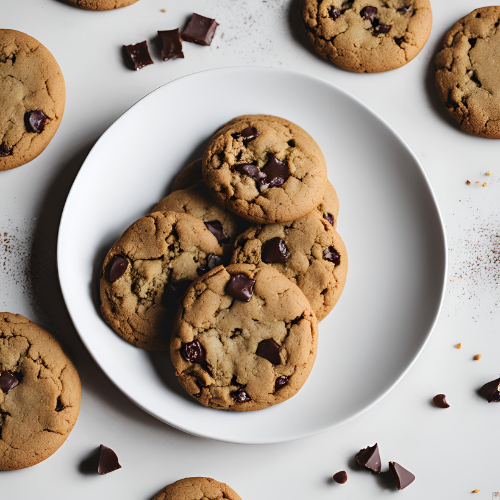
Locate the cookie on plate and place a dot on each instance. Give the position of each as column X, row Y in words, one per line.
column 197, row 488
column 244, row 338
column 308, row 252
column 265, row 169
column 40, row 393
column 147, row 271
column 329, row 206
column 102, row 4
column 189, row 176
column 467, row 75
column 367, row 35
column 32, row 98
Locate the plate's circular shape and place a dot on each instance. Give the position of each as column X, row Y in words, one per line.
column 389, row 220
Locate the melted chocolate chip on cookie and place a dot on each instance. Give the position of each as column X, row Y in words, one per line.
column 334, row 13
column 116, row 268
column 5, row 150
column 36, row 120
column 381, row 28
column 193, row 352
column 275, row 251
column 369, row 13
column 212, row 262
column 403, row 10
column 329, row 218
column 241, row 396
column 215, row 227
column 281, row 382
column 248, row 134
column 331, row 255
column 276, row 172
column 270, row 350
column 59, row 405
column 252, row 171
column 240, row 287
column 8, row 381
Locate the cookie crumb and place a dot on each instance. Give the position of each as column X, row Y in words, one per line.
column 468, row 183
column 483, row 184
column 459, row 345
column 489, row 172
column 163, row 10
column 476, row 491
column 477, row 357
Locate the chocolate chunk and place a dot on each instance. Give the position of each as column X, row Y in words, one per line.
column 59, row 405
column 116, row 268
column 175, row 290
column 8, row 381
column 382, row 28
column 280, row 382
column 241, row 396
column 340, row 477
column 248, row 134
column 139, row 54
column 36, row 120
column 403, row 477
column 275, row 251
column 331, row 255
column 108, row 461
column 252, row 171
column 171, row 45
column 240, row 287
column 440, row 401
column 329, row 218
column 370, row 458
column 276, row 172
column 193, row 352
column 403, row 10
column 200, row 30
column 491, row 391
column 5, row 150
column 270, row 350
column 369, row 13
column 212, row 262
column 334, row 13
column 215, row 227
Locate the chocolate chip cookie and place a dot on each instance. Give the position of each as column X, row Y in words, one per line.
column 148, row 270
column 265, row 169
column 189, row 176
column 197, row 488
column 244, row 339
column 308, row 251
column 102, row 4
column 367, row 35
column 39, row 393
column 468, row 74
column 32, row 98
column 329, row 206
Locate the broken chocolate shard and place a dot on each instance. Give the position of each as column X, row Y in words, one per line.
column 171, row 44
column 139, row 54
column 8, row 381
column 215, row 227
column 403, row 476
column 440, row 401
column 108, row 461
column 491, row 391
column 200, row 30
column 370, row 458
column 340, row 477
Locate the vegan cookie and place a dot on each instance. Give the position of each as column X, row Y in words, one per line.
column 39, row 393
column 148, row 270
column 468, row 74
column 244, row 338
column 197, row 488
column 102, row 4
column 189, row 176
column 32, row 98
column 367, row 35
column 265, row 169
column 308, row 251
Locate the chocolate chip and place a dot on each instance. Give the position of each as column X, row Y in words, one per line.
column 275, row 251
column 193, row 352
column 241, row 396
column 403, row 477
column 175, row 290
column 491, row 391
column 59, row 405
column 171, row 45
column 370, row 458
column 331, row 255
column 108, row 461
column 36, row 120
column 329, row 218
column 403, row 10
column 240, row 287
column 200, row 30
column 270, row 350
column 440, row 401
column 369, row 13
column 252, row 171
column 248, row 134
column 280, row 382
column 139, row 54
column 212, row 262
column 5, row 150
column 382, row 28
column 334, row 13
column 8, row 381
column 215, row 227
column 116, row 268
column 340, row 477
column 276, row 172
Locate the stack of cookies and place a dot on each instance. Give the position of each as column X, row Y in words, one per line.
column 234, row 268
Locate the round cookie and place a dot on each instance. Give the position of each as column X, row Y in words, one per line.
column 367, row 35
column 147, row 271
column 102, row 4
column 197, row 488
column 308, row 251
column 329, row 206
column 40, row 393
column 189, row 176
column 468, row 75
column 197, row 201
column 32, row 98
column 265, row 169
column 245, row 338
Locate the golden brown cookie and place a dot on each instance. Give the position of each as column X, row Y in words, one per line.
column 329, row 206
column 197, row 488
column 32, row 98
column 102, row 4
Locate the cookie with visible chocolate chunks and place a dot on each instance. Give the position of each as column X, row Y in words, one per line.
column 197, row 488
column 102, row 4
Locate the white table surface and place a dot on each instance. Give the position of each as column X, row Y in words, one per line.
column 451, row 452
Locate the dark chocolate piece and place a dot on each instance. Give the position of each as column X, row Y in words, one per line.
column 329, row 218
column 5, row 150
column 8, row 381
column 212, row 262
column 171, row 45
column 252, row 171
column 382, row 28
column 37, row 120
column 280, row 382
column 369, row 13
column 139, row 54
column 334, row 13
column 116, row 268
column 108, row 461
column 331, row 255
column 215, row 227
column 240, row 287
column 276, row 172
column 370, row 458
column 403, row 10
column 241, row 396
column 175, row 290
column 491, row 391
column 440, row 401
column 403, row 477
column 59, row 405
column 248, row 134
column 340, row 477
column 275, row 251
column 200, row 30
column 270, row 350
column 193, row 352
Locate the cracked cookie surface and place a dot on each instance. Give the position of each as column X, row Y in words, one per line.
column 30, row 80
column 306, row 259
column 386, row 36
column 197, row 488
column 102, row 4
column 146, row 272
column 244, row 355
column 40, row 409
column 468, row 75
column 289, row 169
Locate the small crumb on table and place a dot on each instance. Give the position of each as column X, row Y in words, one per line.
column 489, row 172
column 477, row 357
column 459, row 345
column 468, row 183
column 163, row 10
column 476, row 491
column 484, row 184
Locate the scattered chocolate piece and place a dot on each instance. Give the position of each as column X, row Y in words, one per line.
column 59, row 405
column 241, row 396
column 370, row 458
column 491, row 391
column 276, row 172
column 248, row 134
column 275, row 251
column 215, row 227
column 139, row 54
column 331, row 255
column 175, row 289
column 200, row 30
column 117, row 267
column 108, row 461
column 329, row 218
column 334, row 13
column 240, row 287
column 440, row 401
column 37, row 120
column 403, row 10
column 382, row 28
column 270, row 350
column 403, row 477
column 8, row 381
column 252, row 171
column 171, row 45
column 193, row 352
column 212, row 262
column 5, row 150
column 369, row 13
column 280, row 382
column 340, row 477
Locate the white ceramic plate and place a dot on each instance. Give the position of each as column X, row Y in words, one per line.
column 389, row 220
